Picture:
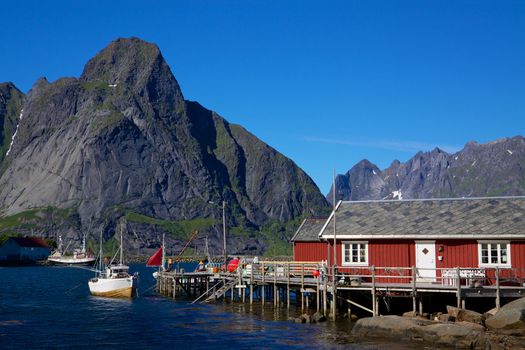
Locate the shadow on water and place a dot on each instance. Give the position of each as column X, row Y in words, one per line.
column 50, row 307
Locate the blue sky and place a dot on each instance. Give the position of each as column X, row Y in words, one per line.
column 327, row 83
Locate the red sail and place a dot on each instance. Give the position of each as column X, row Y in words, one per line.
column 156, row 259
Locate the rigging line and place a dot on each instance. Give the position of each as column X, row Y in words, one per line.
column 75, row 287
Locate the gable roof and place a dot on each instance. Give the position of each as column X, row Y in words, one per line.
column 477, row 218
column 308, row 231
column 30, row 242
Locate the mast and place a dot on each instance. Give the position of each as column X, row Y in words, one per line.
column 163, row 253
column 84, row 243
column 100, row 253
column 207, row 250
column 121, row 259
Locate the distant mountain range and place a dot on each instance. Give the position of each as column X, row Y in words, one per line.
column 492, row 169
column 78, row 154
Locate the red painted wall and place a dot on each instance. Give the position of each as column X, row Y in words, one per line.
column 462, row 253
column 401, row 253
column 309, row 251
column 517, row 256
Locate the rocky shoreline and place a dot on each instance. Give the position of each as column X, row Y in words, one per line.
column 458, row 328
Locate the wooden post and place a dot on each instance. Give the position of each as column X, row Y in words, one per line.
column 317, row 294
column 302, row 287
column 263, row 282
column 414, row 289
column 349, row 307
column 288, row 288
column 374, row 297
column 421, row 306
column 251, row 284
column 497, row 289
column 458, row 287
column 174, row 287
column 275, row 291
column 241, row 283
column 325, row 296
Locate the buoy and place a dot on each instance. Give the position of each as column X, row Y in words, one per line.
column 233, row 264
column 315, row 273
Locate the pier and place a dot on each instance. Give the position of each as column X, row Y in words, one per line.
column 312, row 286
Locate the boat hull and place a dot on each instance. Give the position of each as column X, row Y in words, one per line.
column 71, row 261
column 113, row 287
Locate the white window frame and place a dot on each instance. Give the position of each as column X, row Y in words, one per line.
column 498, row 264
column 350, row 263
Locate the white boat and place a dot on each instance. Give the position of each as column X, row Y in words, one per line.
column 113, row 281
column 79, row 257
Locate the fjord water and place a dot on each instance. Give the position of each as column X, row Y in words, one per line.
column 50, row 307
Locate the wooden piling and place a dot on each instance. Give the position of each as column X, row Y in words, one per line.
column 414, row 289
column 288, row 288
column 317, row 294
column 497, row 289
column 374, row 297
column 458, row 287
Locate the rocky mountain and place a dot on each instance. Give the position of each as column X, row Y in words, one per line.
column 493, row 169
column 122, row 142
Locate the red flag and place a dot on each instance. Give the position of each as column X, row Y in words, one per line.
column 156, row 259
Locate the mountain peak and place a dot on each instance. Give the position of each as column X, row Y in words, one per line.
column 121, row 61
column 137, row 65
column 125, row 61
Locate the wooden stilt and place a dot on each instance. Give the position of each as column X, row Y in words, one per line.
column 414, row 290
column 325, row 297
column 498, row 301
column 288, row 288
column 317, row 295
column 374, row 297
column 458, row 286
column 263, row 272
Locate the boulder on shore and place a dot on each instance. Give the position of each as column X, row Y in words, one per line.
column 318, row 317
column 422, row 330
column 465, row 315
column 510, row 319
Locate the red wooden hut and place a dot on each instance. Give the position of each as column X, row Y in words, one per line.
column 436, row 236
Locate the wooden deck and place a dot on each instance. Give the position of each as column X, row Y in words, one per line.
column 313, row 284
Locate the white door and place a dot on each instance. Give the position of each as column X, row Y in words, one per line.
column 426, row 261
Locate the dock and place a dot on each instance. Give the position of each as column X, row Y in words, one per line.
column 314, row 286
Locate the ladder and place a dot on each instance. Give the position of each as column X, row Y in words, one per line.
column 228, row 284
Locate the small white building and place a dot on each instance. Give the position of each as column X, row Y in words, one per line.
column 23, row 250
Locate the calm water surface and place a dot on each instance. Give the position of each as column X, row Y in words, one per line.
column 50, row 307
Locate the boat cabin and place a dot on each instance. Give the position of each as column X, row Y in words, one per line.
column 117, row 271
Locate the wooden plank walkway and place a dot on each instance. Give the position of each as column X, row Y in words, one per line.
column 276, row 281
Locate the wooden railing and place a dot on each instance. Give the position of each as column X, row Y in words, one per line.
column 353, row 276
column 465, row 276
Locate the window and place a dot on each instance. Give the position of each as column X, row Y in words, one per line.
column 355, row 253
column 494, row 254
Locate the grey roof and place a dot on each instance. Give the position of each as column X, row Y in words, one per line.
column 309, row 230
column 477, row 217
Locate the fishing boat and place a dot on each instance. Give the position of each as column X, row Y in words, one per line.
column 114, row 280
column 79, row 257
